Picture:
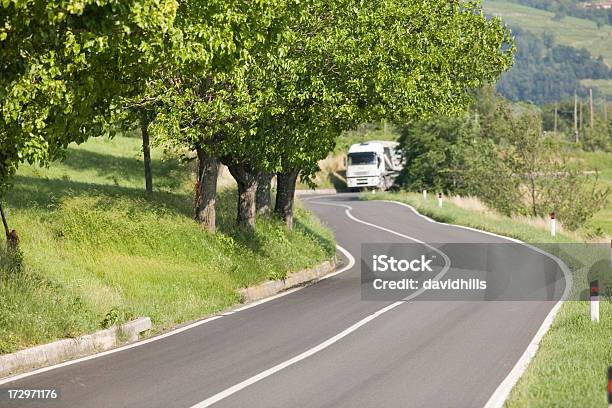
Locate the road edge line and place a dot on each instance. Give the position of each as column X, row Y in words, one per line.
column 503, row 390
column 180, row 329
column 213, row 399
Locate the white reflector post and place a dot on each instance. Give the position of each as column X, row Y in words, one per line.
column 424, row 194
column 553, row 224
column 440, row 200
column 594, row 301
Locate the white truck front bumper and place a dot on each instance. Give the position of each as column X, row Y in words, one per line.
column 368, row 181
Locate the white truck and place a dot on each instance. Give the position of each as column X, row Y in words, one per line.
column 373, row 165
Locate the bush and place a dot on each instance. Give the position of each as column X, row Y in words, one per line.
column 575, row 197
column 504, row 159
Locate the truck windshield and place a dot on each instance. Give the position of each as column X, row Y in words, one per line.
column 361, row 158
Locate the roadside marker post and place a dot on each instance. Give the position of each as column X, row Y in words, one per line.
column 594, row 301
column 553, row 224
column 439, row 200
column 424, row 194
column 610, row 387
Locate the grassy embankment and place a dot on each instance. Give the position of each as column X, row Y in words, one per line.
column 575, row 32
column 602, row 163
column 97, row 250
column 570, row 367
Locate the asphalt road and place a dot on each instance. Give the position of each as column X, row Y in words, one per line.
column 322, row 346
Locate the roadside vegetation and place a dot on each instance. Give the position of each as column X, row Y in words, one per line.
column 500, row 153
column 570, row 366
column 96, row 250
column 264, row 90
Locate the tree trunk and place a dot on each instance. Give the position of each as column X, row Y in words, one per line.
column 247, row 194
column 12, row 239
column 285, row 193
column 206, row 190
column 4, row 222
column 146, row 153
column 264, row 198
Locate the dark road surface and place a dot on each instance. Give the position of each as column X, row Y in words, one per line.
column 413, row 354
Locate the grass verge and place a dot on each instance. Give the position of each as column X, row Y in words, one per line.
column 602, row 163
column 569, row 369
column 96, row 250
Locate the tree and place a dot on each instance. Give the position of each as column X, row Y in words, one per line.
column 353, row 62
column 145, row 121
column 212, row 109
column 65, row 66
column 434, row 154
column 264, row 195
column 321, row 68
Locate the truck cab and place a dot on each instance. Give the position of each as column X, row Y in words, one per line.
column 372, row 164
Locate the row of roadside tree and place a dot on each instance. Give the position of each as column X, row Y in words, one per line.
column 264, row 87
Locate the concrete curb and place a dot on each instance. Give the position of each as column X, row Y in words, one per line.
column 273, row 287
column 67, row 349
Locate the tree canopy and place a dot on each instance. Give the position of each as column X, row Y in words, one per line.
column 63, row 65
column 264, row 86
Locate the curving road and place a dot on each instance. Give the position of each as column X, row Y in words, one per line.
column 322, row 346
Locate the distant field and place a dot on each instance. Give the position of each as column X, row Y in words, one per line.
column 604, row 85
column 576, row 32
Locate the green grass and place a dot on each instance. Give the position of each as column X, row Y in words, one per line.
column 569, row 369
column 575, row 32
column 602, row 163
column 604, row 85
column 97, row 250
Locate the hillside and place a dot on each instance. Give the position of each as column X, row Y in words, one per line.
column 544, row 71
column 97, row 250
column 575, row 32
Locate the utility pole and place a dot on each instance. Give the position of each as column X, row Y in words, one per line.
column 575, row 117
column 591, row 106
column 581, row 126
column 556, row 118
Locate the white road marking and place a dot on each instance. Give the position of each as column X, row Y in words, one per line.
column 351, row 263
column 501, row 393
column 322, row 346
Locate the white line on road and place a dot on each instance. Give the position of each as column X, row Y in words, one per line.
column 501, row 393
column 322, row 346
column 351, row 263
